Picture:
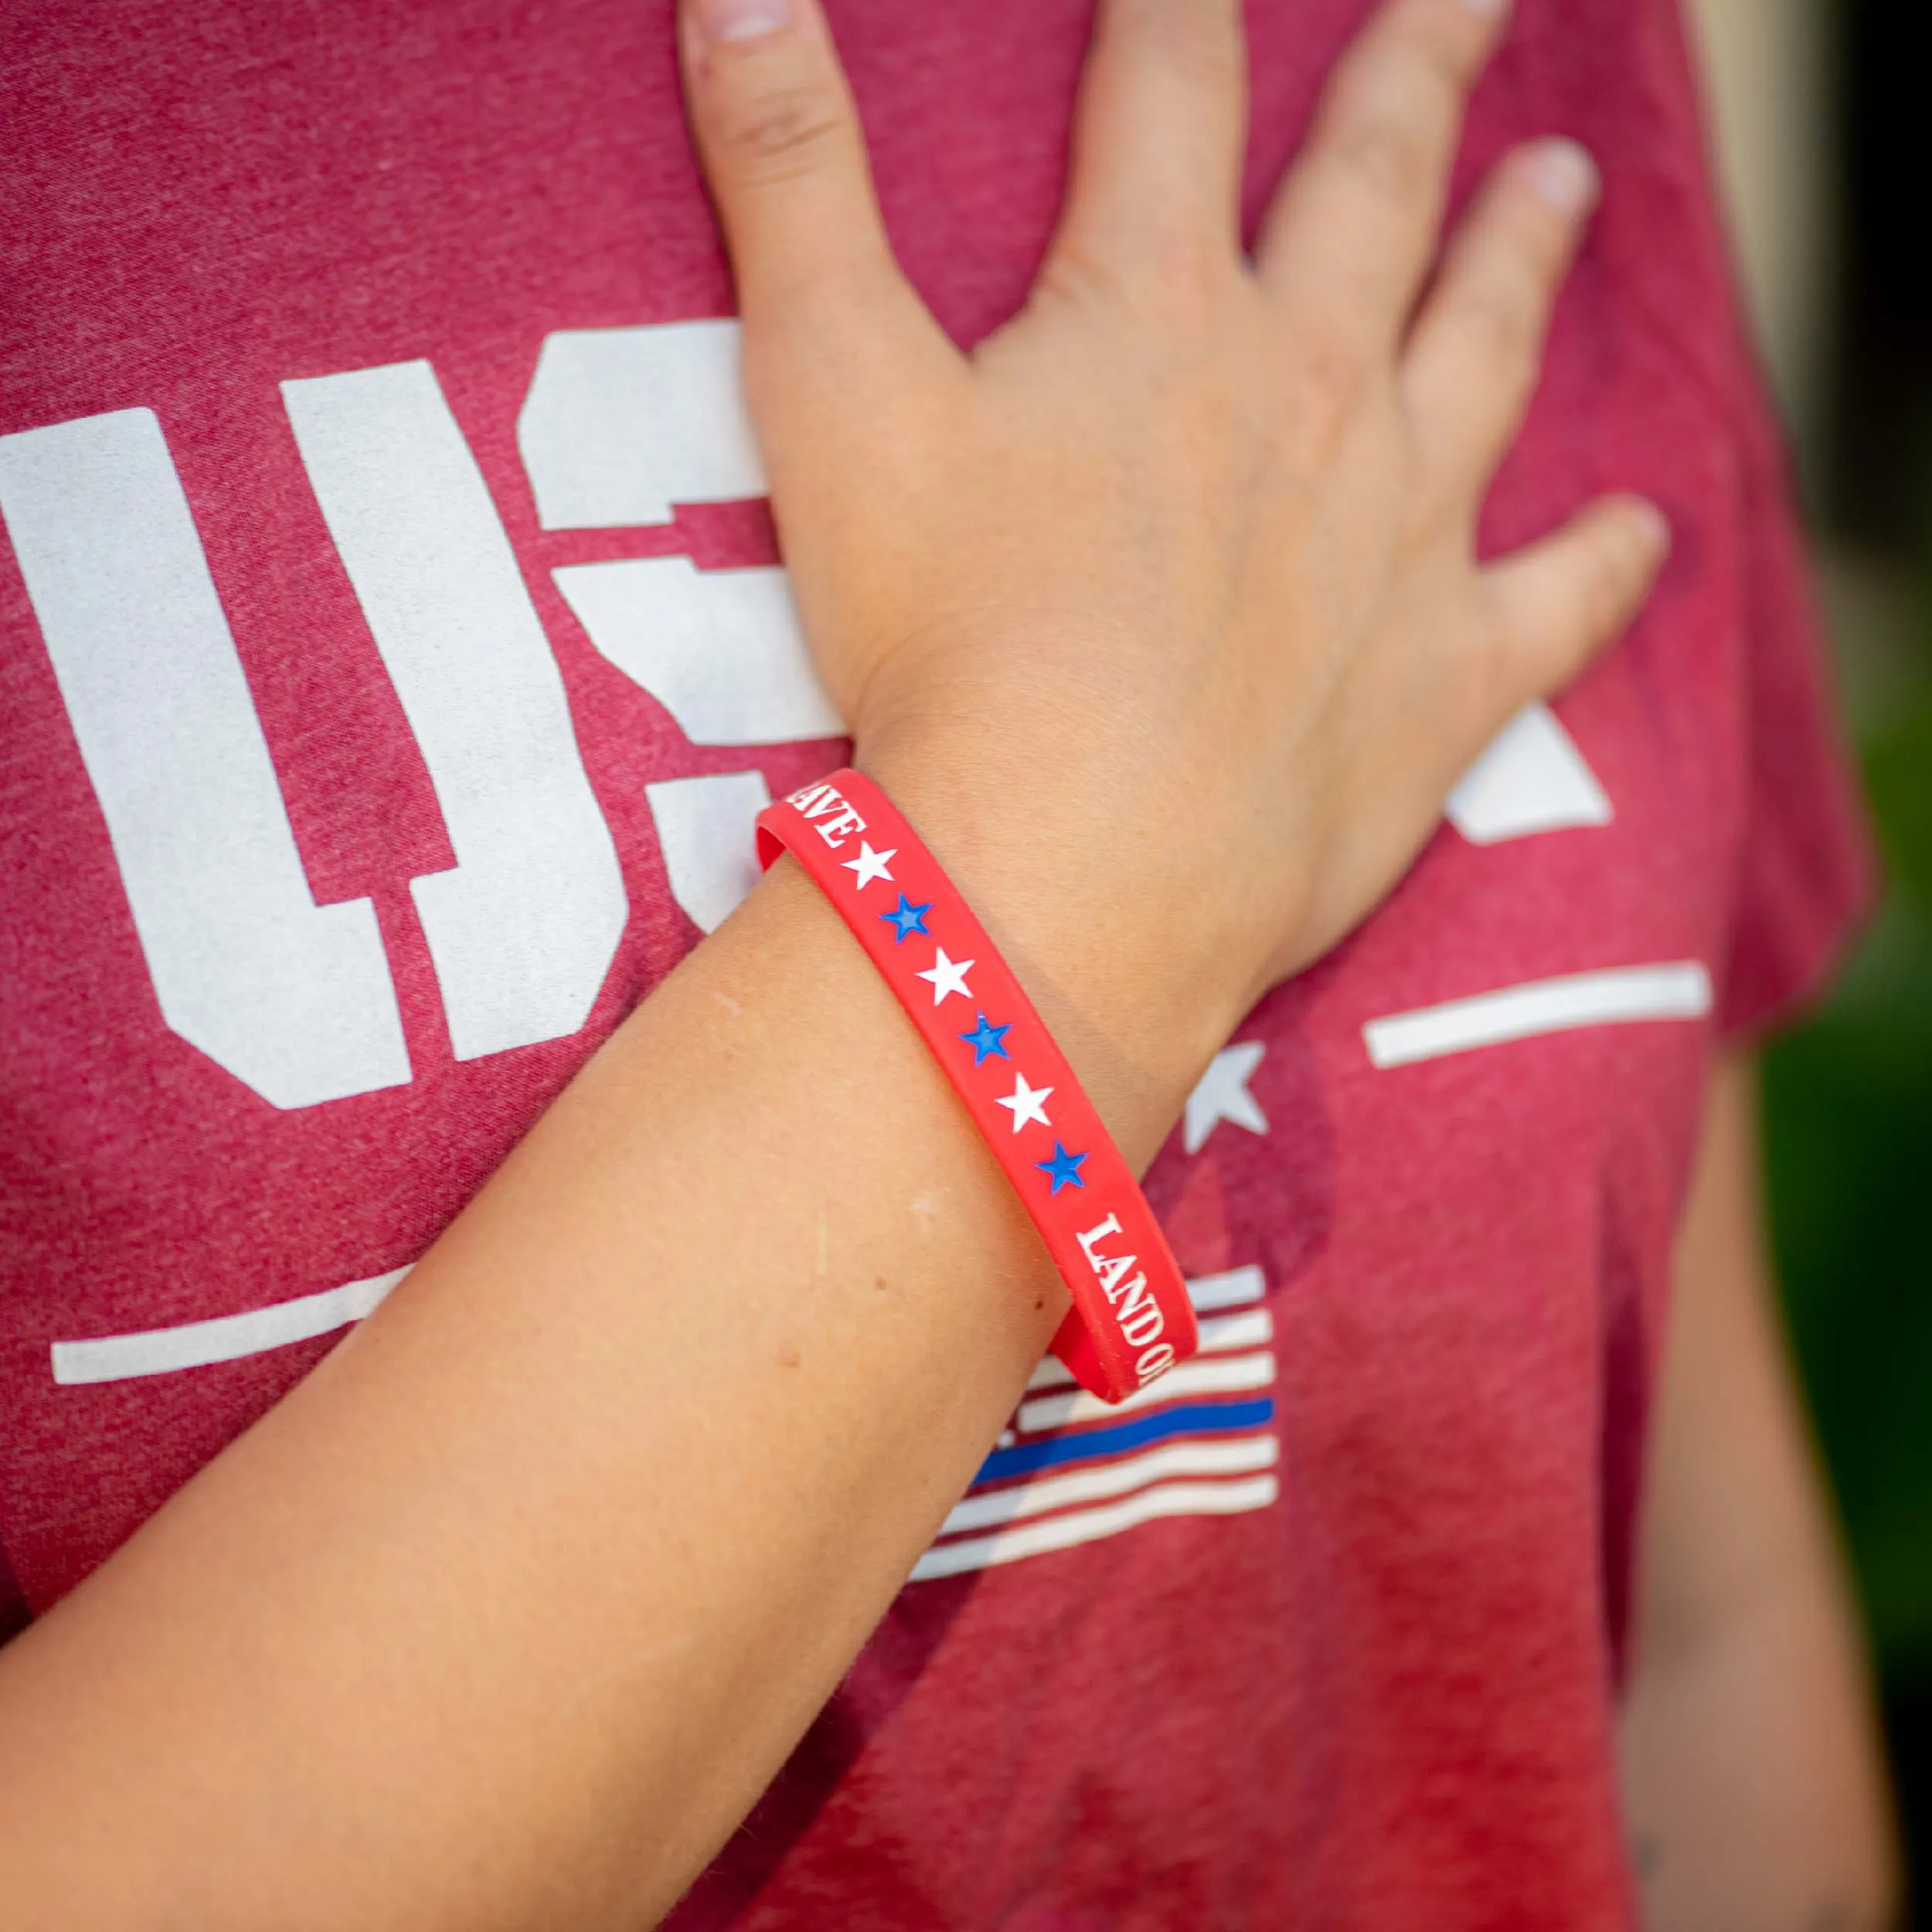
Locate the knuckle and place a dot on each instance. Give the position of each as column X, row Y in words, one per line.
column 1443, row 39
column 1323, row 394
column 780, row 135
column 1188, row 281
column 1076, row 277
column 1197, row 42
column 1415, row 58
column 1383, row 153
column 1439, row 498
column 1499, row 318
column 1172, row 287
column 1610, row 577
column 1529, row 242
column 1392, row 115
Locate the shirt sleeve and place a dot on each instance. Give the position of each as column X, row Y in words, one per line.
column 1806, row 873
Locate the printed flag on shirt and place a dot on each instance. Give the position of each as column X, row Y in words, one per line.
column 1072, row 1469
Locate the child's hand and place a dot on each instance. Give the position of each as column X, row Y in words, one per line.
column 1160, row 608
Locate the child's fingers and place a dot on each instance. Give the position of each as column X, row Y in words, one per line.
column 1475, row 354
column 785, row 160
column 1158, row 136
column 1558, row 602
column 1353, row 226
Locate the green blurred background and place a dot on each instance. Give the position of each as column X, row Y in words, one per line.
column 1821, row 109
column 1849, row 1122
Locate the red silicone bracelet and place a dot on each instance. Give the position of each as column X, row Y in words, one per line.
column 1131, row 1319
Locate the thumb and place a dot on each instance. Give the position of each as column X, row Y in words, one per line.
column 1558, row 602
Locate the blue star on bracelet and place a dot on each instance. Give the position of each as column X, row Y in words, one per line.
column 907, row 918
column 987, row 1040
column 1063, row 1169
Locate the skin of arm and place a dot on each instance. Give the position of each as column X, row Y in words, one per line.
column 1753, row 1773
column 505, row 1616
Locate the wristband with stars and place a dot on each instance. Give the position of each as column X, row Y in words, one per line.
column 1131, row 1320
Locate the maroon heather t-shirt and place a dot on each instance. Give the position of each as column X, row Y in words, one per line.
column 392, row 654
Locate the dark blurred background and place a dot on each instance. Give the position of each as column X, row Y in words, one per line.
column 1822, row 116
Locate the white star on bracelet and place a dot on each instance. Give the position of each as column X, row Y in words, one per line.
column 870, row 864
column 947, row 977
column 1028, row 1103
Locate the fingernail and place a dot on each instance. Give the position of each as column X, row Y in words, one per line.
column 1656, row 527
column 1563, row 172
column 1487, row 9
column 717, row 20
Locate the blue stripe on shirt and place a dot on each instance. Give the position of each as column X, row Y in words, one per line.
column 1200, row 1419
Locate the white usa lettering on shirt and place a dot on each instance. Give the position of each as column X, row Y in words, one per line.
column 295, row 999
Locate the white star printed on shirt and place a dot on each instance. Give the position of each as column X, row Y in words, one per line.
column 1027, row 1102
column 870, row 864
column 948, row 976
column 1222, row 1095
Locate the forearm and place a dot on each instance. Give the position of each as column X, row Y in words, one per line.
column 506, row 1615
column 1756, row 1801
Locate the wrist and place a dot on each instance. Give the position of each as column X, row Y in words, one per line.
column 1138, row 995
